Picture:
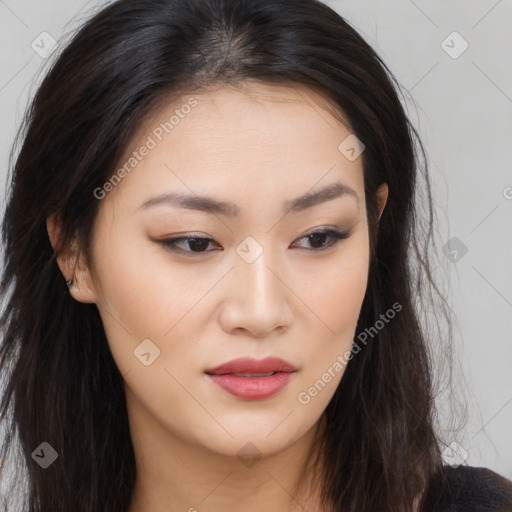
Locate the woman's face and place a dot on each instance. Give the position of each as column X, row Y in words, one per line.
column 259, row 288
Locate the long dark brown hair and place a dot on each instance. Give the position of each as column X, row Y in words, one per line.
column 61, row 384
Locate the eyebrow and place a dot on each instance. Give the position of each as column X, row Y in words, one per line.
column 228, row 209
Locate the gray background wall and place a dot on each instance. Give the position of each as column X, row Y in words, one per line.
column 463, row 109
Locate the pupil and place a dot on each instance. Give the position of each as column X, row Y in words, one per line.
column 317, row 237
column 198, row 243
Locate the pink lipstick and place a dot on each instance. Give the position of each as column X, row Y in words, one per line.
column 252, row 379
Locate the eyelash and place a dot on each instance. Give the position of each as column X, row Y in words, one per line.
column 170, row 244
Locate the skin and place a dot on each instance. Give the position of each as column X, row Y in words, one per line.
column 255, row 147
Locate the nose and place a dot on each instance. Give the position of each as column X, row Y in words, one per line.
column 256, row 298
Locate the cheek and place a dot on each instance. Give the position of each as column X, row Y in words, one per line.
column 338, row 301
column 140, row 286
column 129, row 297
column 335, row 297
column 334, row 291
column 144, row 295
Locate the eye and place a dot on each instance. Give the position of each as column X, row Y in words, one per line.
column 317, row 238
column 198, row 245
column 193, row 244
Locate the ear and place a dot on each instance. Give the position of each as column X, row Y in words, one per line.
column 382, row 197
column 71, row 264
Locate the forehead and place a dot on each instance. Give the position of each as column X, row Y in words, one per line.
column 254, row 136
column 276, row 97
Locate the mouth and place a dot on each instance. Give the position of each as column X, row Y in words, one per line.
column 251, row 374
column 251, row 379
column 249, row 367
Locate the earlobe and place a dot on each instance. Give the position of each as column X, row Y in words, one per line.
column 82, row 288
column 75, row 272
column 382, row 197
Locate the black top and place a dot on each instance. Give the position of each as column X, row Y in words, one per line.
column 470, row 489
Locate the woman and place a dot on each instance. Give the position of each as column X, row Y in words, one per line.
column 228, row 191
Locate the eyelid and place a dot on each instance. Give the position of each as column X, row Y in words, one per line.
column 336, row 234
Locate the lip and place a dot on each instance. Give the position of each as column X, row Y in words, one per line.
column 250, row 365
column 253, row 387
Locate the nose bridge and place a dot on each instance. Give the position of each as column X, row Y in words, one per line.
column 255, row 269
column 255, row 297
column 260, row 289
